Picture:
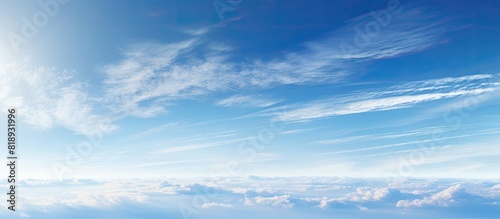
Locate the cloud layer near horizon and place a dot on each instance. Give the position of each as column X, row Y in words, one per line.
column 151, row 76
column 319, row 195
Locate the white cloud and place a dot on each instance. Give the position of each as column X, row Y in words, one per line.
column 97, row 199
column 420, row 132
column 407, row 32
column 297, row 131
column 197, row 32
column 200, row 145
column 444, row 198
column 48, row 97
column 151, row 75
column 147, row 73
column 213, row 205
column 367, row 194
column 275, row 201
column 396, row 97
column 246, row 101
column 158, row 129
column 24, row 215
column 323, row 203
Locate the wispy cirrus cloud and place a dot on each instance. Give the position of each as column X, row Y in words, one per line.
column 426, row 131
column 383, row 34
column 159, row 129
column 395, row 97
column 417, row 142
column 246, row 101
column 201, row 145
column 151, row 75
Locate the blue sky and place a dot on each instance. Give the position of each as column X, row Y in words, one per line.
column 379, row 109
column 275, row 88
